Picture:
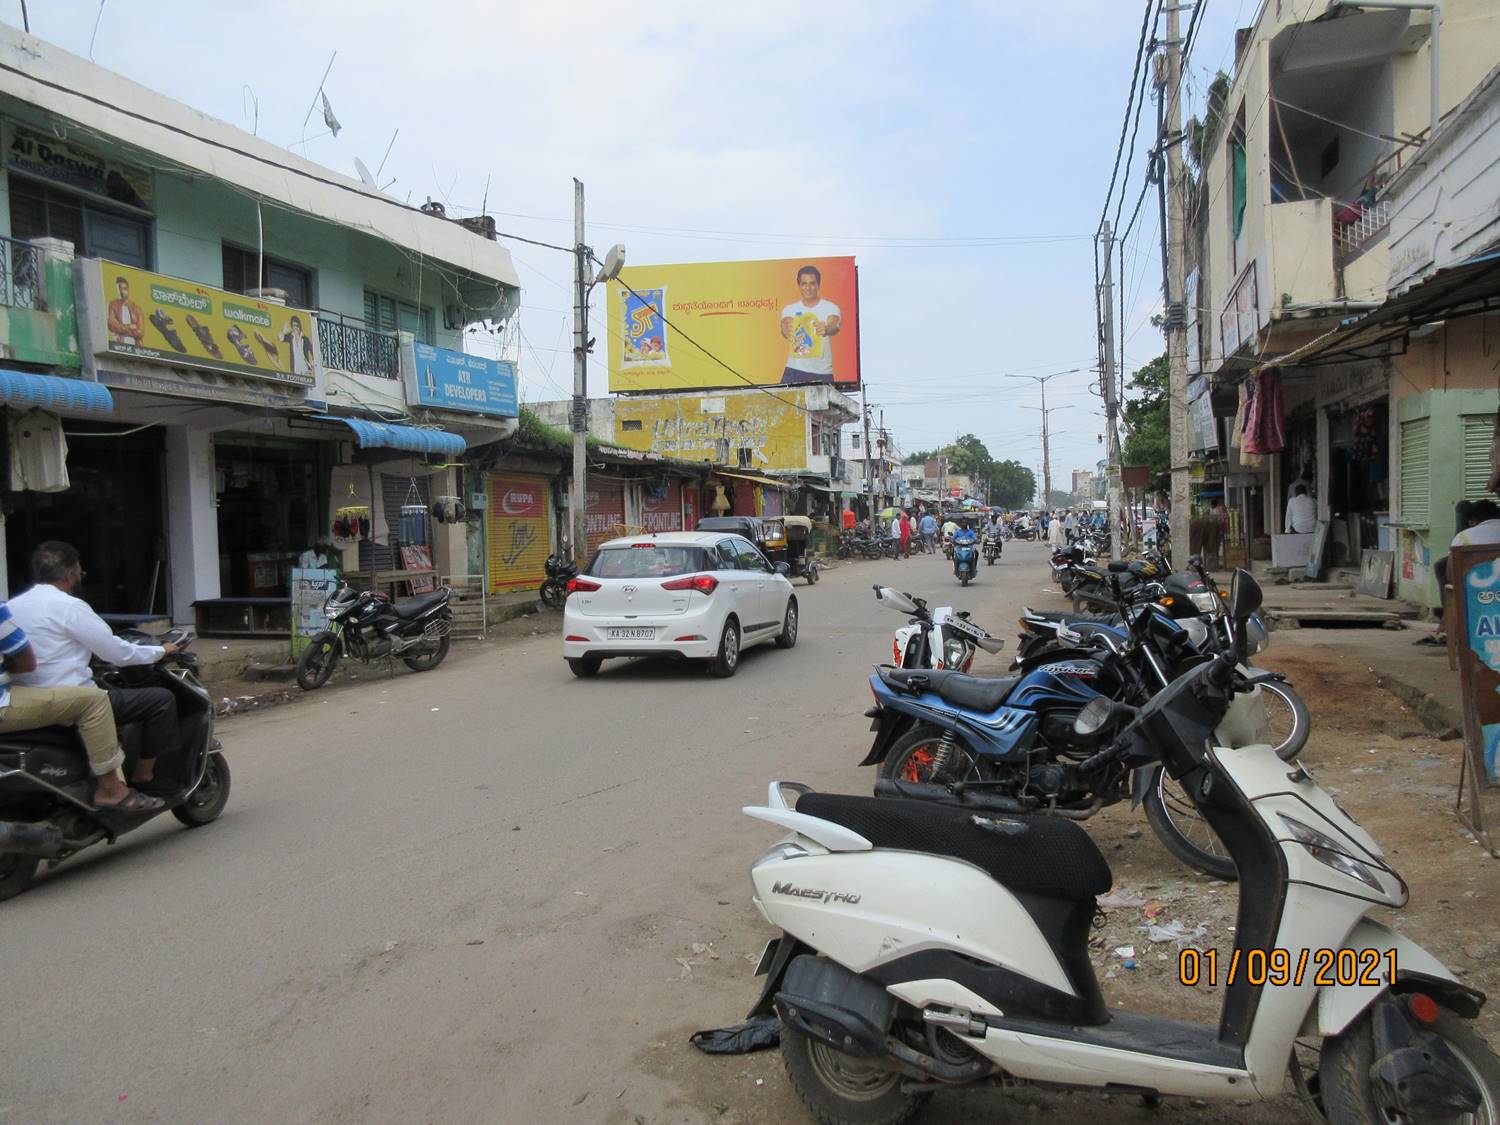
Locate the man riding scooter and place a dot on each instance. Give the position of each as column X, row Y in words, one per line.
column 965, row 552
column 65, row 633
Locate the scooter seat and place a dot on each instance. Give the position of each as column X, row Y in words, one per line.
column 973, row 693
column 60, row 738
column 415, row 607
column 1041, row 855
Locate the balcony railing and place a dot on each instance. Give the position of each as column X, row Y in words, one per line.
column 23, row 278
column 1357, row 225
column 349, row 346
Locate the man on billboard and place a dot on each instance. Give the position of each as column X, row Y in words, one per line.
column 809, row 326
column 126, row 325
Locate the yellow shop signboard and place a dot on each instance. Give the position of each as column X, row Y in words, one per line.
column 771, row 430
column 168, row 320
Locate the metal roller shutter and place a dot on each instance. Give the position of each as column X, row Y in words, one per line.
column 664, row 514
column 1479, row 429
column 518, row 529
column 606, row 512
column 1416, row 471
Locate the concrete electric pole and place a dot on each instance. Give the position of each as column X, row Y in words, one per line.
column 1168, row 77
column 579, row 419
column 1111, row 406
column 864, row 404
column 1046, row 433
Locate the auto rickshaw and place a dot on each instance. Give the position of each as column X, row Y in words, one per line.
column 792, row 545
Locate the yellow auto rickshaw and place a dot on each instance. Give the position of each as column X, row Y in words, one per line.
column 789, row 540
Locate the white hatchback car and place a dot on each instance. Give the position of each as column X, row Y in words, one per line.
column 696, row 595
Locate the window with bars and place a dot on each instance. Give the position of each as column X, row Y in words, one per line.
column 40, row 211
column 387, row 314
column 1416, row 472
column 240, row 275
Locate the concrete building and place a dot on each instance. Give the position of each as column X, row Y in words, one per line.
column 1292, row 235
column 268, row 352
column 881, row 463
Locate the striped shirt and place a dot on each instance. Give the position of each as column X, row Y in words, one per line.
column 12, row 641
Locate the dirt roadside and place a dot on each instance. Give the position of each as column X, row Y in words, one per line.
column 1367, row 748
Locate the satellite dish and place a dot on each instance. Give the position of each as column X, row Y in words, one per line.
column 614, row 262
column 364, row 174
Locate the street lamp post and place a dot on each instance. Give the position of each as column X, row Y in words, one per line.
column 1046, row 450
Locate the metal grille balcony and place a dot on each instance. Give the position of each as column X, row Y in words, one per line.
column 23, row 280
column 1351, row 238
column 353, row 347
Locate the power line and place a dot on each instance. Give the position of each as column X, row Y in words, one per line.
column 1140, row 50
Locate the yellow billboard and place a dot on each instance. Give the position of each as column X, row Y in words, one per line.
column 788, row 322
column 716, row 428
column 168, row 320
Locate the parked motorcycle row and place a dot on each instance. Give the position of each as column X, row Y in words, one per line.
column 936, row 933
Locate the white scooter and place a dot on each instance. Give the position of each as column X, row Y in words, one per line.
column 927, row 945
column 940, row 638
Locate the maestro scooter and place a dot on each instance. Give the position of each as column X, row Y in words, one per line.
column 965, row 556
column 927, row 946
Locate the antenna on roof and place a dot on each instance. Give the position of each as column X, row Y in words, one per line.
column 387, row 155
column 364, row 174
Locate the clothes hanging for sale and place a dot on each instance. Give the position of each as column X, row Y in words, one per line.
column 38, row 453
column 349, row 487
column 1368, row 443
column 1241, row 422
column 1265, row 424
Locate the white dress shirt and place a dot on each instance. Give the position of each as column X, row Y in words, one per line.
column 1301, row 515
column 64, row 632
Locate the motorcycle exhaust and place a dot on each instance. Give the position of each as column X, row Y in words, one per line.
column 42, row 840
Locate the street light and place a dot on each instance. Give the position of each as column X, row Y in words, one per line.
column 1046, row 448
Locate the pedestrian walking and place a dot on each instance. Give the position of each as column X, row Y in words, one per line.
column 905, row 535
column 928, row 529
column 1055, row 533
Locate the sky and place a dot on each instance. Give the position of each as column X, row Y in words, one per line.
column 960, row 150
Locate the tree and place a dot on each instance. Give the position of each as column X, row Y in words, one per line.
column 1056, row 499
column 1012, row 485
column 921, row 457
column 1148, row 420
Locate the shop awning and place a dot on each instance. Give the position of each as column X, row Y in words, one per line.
column 1466, row 289
column 25, row 391
column 384, row 435
column 752, row 477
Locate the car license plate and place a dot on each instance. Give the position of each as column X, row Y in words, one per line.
column 632, row 634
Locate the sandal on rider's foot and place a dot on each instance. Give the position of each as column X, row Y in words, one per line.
column 133, row 802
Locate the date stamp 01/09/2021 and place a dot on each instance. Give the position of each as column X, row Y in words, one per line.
column 1323, row 968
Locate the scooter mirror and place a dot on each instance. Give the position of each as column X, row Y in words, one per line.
column 895, row 599
column 1244, row 595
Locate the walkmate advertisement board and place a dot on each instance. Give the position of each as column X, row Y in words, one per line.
column 786, row 322
column 167, row 320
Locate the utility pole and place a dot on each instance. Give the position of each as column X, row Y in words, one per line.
column 1046, row 448
column 578, row 494
column 1107, row 379
column 864, row 403
column 1168, row 75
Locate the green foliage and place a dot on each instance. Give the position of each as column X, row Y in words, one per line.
column 1146, row 416
column 1203, row 136
column 921, row 457
column 1056, row 499
column 1012, row 485
column 532, row 431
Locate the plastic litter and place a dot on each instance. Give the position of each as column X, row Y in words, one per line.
column 759, row 1034
column 1124, row 951
column 1113, row 901
column 1176, row 931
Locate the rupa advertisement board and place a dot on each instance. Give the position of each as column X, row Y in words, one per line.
column 787, row 322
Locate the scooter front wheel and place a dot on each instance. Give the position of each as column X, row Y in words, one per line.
column 1182, row 830
column 1345, row 1062
column 207, row 801
column 16, row 873
column 840, row 1089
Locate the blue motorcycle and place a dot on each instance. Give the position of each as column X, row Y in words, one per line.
column 965, row 557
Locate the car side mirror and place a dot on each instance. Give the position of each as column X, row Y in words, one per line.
column 782, row 568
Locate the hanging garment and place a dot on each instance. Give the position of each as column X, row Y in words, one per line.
column 1366, row 438
column 38, row 453
column 1265, row 424
column 349, row 487
column 1242, row 406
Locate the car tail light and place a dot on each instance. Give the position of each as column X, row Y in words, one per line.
column 706, row 583
column 691, row 637
column 576, row 637
column 581, row 586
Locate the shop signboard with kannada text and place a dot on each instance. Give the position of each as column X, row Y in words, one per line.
column 449, row 380
column 1474, row 597
column 788, row 322
column 137, row 315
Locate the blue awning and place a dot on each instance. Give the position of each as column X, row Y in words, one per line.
column 53, row 392
column 384, row 435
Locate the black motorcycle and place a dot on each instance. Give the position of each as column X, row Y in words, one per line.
column 991, row 548
column 554, row 588
column 370, row 627
column 47, row 789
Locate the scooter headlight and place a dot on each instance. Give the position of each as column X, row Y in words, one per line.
column 1256, row 637
column 1328, row 852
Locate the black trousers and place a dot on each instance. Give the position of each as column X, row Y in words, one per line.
column 155, row 709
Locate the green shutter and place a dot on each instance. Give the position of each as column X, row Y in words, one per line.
column 1416, row 471
column 1479, row 429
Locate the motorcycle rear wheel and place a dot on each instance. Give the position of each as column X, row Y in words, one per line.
column 914, row 757
column 427, row 661
column 207, row 801
column 552, row 594
column 1182, row 830
column 16, row 873
column 840, row 1089
column 317, row 662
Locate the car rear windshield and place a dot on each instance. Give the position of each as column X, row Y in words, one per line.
column 649, row 561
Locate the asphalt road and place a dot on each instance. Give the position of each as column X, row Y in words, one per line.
column 488, row 893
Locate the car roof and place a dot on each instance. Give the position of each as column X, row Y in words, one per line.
column 668, row 539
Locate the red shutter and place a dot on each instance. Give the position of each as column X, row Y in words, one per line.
column 664, row 514
column 690, row 505
column 606, row 512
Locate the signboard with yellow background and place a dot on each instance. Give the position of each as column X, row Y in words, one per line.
column 716, row 427
column 165, row 319
column 790, row 322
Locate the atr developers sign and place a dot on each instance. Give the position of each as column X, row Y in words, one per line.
column 787, row 322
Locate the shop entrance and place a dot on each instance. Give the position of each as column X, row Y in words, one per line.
column 112, row 512
column 1358, row 480
column 270, row 495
